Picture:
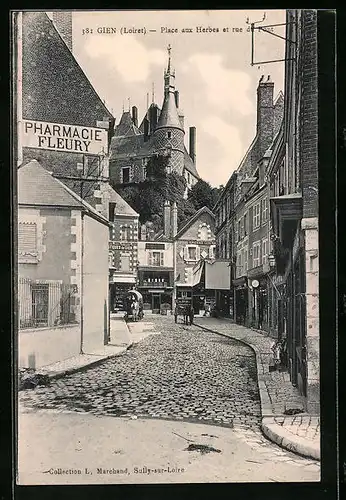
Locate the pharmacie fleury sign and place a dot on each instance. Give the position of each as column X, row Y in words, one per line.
column 63, row 137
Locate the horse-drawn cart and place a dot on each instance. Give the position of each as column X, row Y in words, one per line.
column 133, row 306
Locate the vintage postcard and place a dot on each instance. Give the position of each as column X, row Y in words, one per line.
column 167, row 246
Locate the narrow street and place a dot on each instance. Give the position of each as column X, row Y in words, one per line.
column 179, row 387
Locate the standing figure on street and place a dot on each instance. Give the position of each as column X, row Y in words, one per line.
column 186, row 315
column 176, row 314
column 191, row 314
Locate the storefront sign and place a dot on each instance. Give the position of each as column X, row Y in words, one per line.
column 62, row 137
column 120, row 246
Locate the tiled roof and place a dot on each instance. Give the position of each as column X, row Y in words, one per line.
column 36, row 186
column 130, row 146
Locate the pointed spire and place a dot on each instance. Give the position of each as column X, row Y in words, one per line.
column 153, row 93
column 169, row 48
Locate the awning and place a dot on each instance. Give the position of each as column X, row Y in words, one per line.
column 197, row 273
column 217, row 275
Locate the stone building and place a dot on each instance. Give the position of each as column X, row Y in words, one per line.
column 62, row 271
column 64, row 125
column 242, row 217
column 293, row 181
column 123, row 249
column 161, row 132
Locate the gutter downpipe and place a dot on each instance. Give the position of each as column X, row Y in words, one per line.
column 82, row 286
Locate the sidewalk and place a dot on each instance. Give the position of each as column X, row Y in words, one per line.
column 298, row 432
column 120, row 341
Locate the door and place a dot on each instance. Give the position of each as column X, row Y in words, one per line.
column 300, row 331
column 156, row 302
column 40, row 304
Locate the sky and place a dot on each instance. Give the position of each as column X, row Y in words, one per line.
column 214, row 76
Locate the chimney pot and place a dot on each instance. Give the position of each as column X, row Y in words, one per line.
column 135, row 115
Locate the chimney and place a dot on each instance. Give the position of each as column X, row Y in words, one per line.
column 153, row 117
column 193, row 144
column 174, row 220
column 176, row 96
column 135, row 115
column 265, row 115
column 63, row 23
column 143, row 232
column 146, row 129
column 167, row 219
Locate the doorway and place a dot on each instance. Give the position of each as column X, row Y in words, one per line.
column 156, row 303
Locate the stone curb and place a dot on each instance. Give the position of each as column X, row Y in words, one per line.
column 271, row 430
column 279, row 435
column 70, row 371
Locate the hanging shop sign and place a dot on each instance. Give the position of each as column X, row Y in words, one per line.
column 63, row 137
column 255, row 283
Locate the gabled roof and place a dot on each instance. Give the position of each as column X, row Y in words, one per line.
column 126, row 127
column 193, row 219
column 121, row 206
column 36, row 186
column 189, row 165
column 55, row 88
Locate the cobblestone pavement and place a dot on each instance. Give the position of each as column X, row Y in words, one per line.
column 183, row 373
column 283, row 396
column 305, row 426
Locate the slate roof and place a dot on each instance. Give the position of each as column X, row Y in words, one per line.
column 169, row 115
column 121, row 206
column 126, row 126
column 36, row 186
column 55, row 88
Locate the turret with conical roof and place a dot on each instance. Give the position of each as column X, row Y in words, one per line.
column 169, row 132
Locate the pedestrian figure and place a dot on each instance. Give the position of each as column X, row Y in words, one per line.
column 186, row 315
column 176, row 314
column 191, row 314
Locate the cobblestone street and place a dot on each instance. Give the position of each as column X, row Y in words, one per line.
column 184, row 373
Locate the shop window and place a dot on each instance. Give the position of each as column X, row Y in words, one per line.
column 256, row 249
column 256, row 216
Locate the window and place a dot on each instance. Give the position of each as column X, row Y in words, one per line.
column 239, row 230
column 256, row 215
column 111, row 211
column 203, row 233
column 27, row 239
column 92, row 165
column 156, row 258
column 169, row 135
column 256, row 253
column 246, row 260
column 144, row 172
column 124, row 233
column 125, row 175
column 265, row 251
column 191, row 253
column 239, row 264
column 264, row 210
column 245, row 225
column 125, row 263
column 212, row 252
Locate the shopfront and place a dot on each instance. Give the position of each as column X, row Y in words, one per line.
column 241, row 300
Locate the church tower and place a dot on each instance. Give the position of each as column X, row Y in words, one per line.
column 169, row 131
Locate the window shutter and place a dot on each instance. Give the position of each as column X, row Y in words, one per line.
column 161, row 258
column 198, row 253
column 27, row 238
column 186, row 253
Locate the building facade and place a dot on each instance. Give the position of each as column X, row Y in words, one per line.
column 161, row 133
column 293, row 181
column 62, row 271
column 123, row 249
